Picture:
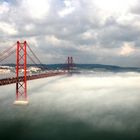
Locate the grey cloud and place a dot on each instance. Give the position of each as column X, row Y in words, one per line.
column 135, row 9
column 71, row 31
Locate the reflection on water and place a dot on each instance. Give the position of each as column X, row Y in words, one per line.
column 77, row 107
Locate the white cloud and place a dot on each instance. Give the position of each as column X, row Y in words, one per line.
column 118, row 6
column 114, row 8
column 8, row 28
column 127, row 49
column 37, row 8
column 88, row 35
column 4, row 8
column 52, row 40
column 67, row 10
column 29, row 27
column 32, row 41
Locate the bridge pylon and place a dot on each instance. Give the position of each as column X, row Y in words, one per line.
column 21, row 74
column 70, row 64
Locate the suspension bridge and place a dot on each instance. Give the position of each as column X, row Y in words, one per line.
column 20, row 74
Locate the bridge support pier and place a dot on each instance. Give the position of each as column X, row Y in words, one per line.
column 21, row 84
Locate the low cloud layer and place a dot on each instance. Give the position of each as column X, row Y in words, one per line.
column 92, row 31
column 107, row 102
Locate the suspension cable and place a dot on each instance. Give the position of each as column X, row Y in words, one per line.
column 36, row 58
column 32, row 59
column 7, row 50
column 8, row 55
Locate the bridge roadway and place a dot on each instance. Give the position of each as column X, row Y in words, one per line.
column 12, row 80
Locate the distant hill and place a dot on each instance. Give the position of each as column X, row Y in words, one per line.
column 95, row 67
column 107, row 67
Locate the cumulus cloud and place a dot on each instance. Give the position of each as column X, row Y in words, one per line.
column 7, row 28
column 4, row 8
column 127, row 49
column 37, row 9
column 67, row 10
column 73, row 28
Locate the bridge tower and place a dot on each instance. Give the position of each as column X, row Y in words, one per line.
column 21, row 74
column 70, row 64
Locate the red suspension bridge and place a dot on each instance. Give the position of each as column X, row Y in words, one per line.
column 21, row 74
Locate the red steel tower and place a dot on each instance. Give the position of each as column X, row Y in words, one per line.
column 21, row 73
column 70, row 64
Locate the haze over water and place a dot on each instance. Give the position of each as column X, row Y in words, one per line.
column 99, row 106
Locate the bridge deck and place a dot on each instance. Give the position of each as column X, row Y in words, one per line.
column 12, row 80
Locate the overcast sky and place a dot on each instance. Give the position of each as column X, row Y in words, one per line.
column 92, row 31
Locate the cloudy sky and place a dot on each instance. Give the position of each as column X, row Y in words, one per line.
column 92, row 31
